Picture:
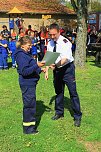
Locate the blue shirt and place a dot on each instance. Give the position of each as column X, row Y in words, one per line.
column 34, row 47
column 3, row 50
column 6, row 34
column 12, row 46
column 11, row 24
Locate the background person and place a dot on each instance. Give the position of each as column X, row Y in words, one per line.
column 34, row 45
column 6, row 34
column 29, row 30
column 12, row 49
column 43, row 40
column 3, row 53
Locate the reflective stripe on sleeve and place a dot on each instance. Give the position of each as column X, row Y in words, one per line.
column 28, row 123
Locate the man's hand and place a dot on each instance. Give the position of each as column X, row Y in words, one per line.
column 41, row 64
column 62, row 62
column 45, row 70
column 52, row 66
column 46, row 75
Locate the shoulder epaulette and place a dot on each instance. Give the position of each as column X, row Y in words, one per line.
column 65, row 40
column 49, row 40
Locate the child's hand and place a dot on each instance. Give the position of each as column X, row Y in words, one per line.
column 41, row 64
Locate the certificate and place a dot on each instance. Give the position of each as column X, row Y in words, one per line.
column 50, row 57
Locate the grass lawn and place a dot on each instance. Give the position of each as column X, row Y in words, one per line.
column 54, row 136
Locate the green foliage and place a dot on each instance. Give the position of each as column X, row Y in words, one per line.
column 95, row 6
column 68, row 4
column 54, row 136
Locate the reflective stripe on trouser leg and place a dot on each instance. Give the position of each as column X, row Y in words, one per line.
column 1, row 67
column 5, row 62
column 26, row 124
column 1, row 61
column 29, row 108
column 28, row 127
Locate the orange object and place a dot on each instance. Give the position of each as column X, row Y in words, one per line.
column 22, row 34
column 13, row 34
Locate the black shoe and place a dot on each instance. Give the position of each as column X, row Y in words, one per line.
column 32, row 133
column 6, row 69
column 77, row 122
column 35, row 132
column 56, row 117
column 13, row 67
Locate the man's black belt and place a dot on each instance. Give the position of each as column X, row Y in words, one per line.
column 65, row 66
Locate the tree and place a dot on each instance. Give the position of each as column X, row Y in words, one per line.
column 80, row 7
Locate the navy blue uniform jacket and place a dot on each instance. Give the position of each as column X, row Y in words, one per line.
column 27, row 68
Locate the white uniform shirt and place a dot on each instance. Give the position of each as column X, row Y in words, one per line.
column 64, row 47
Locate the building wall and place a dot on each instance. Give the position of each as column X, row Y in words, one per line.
column 68, row 22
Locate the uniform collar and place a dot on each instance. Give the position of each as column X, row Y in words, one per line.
column 59, row 39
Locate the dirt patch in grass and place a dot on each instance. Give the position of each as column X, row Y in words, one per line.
column 93, row 146
column 98, row 86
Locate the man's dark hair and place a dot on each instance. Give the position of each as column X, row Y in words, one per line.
column 54, row 26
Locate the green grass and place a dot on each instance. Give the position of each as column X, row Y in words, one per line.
column 54, row 136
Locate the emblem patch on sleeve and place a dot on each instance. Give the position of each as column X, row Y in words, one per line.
column 65, row 40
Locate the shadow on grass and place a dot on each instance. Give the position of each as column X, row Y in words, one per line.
column 40, row 109
column 94, row 63
column 9, row 64
column 67, row 104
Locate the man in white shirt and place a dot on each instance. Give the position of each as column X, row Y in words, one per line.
column 64, row 74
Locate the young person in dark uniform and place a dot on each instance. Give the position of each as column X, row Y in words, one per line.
column 64, row 74
column 6, row 34
column 28, row 70
column 3, row 53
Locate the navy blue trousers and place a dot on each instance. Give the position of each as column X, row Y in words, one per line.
column 29, row 108
column 66, row 76
column 3, row 61
column 13, row 60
